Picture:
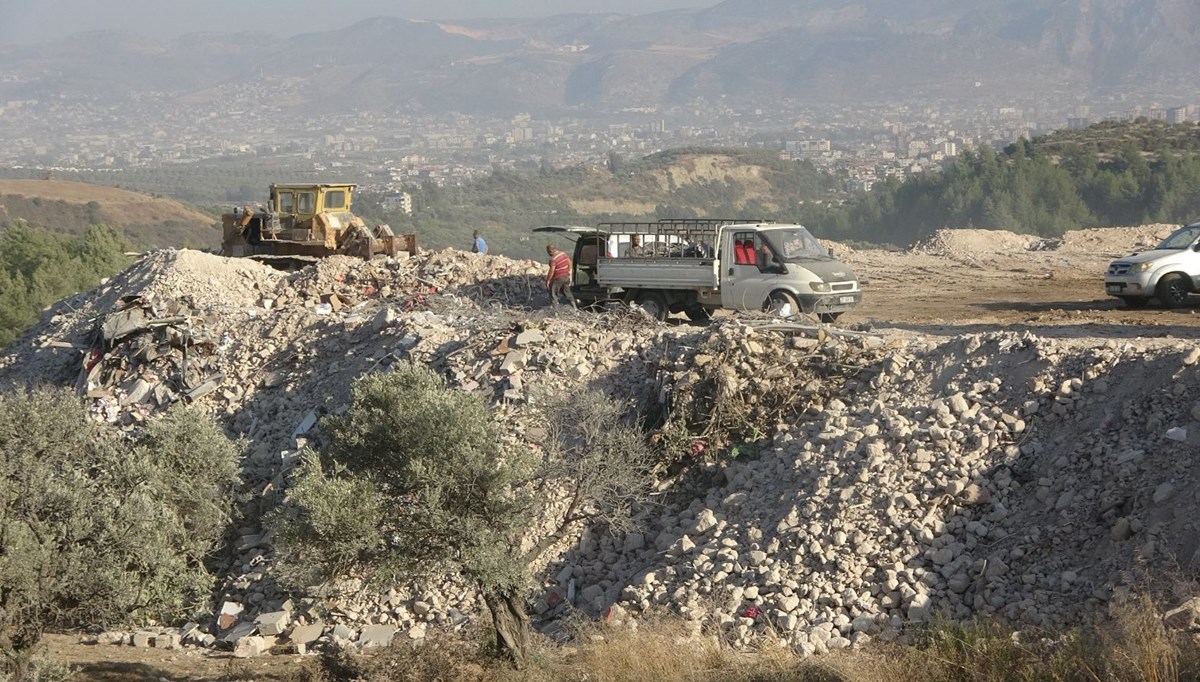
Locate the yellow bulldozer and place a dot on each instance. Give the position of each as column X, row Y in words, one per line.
column 302, row 223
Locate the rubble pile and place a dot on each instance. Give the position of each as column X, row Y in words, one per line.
column 845, row 484
column 959, row 243
column 1114, row 242
column 970, row 245
column 144, row 358
column 999, row 475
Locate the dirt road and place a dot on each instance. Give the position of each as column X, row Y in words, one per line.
column 1058, row 293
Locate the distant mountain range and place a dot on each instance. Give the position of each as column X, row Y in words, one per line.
column 814, row 51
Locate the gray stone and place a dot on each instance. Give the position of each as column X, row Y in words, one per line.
column 343, row 631
column 376, row 635
column 1185, row 616
column 304, row 634
column 529, row 337
column 273, row 623
column 1164, row 492
column 634, row 542
column 143, row 639
column 919, row 608
column 167, row 641
column 249, row 647
column 239, row 631
column 706, row 520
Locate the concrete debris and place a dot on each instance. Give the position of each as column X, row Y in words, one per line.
column 887, row 479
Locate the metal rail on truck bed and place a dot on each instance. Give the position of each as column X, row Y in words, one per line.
column 671, row 254
column 688, row 238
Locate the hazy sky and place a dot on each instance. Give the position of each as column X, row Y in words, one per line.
column 28, row 21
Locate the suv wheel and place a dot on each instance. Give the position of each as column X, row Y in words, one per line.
column 1172, row 291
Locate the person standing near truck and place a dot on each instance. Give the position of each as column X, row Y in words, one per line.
column 479, row 246
column 558, row 277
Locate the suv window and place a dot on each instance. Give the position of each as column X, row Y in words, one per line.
column 306, row 202
column 335, row 200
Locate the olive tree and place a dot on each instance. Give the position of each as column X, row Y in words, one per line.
column 100, row 529
column 415, row 475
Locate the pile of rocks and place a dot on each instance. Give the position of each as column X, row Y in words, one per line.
column 998, row 475
column 145, row 357
column 871, row 481
column 964, row 243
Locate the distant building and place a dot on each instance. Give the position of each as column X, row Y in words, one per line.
column 1078, row 122
column 807, row 146
column 400, row 201
column 1178, row 115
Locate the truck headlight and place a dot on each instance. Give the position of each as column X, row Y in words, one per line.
column 820, row 287
column 1141, row 267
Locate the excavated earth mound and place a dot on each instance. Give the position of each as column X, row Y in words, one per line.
column 1001, row 474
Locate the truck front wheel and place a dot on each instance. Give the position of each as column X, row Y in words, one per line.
column 654, row 304
column 1172, row 291
column 783, row 304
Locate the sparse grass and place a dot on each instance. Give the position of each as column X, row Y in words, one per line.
column 1130, row 646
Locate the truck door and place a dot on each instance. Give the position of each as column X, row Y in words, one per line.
column 744, row 286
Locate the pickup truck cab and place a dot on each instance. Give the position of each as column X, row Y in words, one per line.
column 1169, row 272
column 697, row 266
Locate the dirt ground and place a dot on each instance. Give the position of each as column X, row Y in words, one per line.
column 1050, row 293
column 981, row 284
column 109, row 663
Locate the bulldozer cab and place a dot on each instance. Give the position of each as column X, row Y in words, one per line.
column 302, row 202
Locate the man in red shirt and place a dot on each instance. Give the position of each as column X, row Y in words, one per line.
column 558, row 278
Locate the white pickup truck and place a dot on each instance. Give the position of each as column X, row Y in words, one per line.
column 1168, row 273
column 696, row 266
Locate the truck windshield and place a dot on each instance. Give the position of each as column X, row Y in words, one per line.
column 793, row 244
column 1180, row 239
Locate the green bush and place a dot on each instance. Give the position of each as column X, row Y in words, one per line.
column 38, row 268
column 415, row 477
column 99, row 530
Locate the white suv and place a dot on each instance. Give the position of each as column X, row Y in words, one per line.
column 1169, row 273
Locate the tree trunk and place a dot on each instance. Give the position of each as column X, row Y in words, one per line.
column 511, row 623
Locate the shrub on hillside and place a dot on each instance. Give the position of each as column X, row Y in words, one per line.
column 98, row 530
column 416, row 476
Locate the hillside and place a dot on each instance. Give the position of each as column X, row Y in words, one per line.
column 70, row 207
column 819, row 52
column 971, row 450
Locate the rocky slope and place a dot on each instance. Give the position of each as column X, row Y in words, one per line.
column 1001, row 474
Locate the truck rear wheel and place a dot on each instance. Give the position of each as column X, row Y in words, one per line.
column 1172, row 291
column 654, row 304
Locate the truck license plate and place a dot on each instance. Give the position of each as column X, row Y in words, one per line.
column 846, row 299
column 1114, row 288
